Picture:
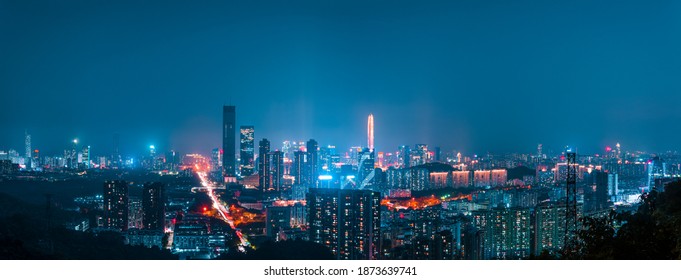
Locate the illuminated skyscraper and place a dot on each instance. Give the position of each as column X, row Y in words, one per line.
column 365, row 169
column 28, row 150
column 247, row 150
column 116, row 205
column 404, row 156
column 216, row 160
column 276, row 171
column 228, row 141
column 153, row 206
column 420, row 155
column 346, row 221
column 301, row 168
column 86, row 157
column 264, row 164
column 313, row 160
column 370, row 132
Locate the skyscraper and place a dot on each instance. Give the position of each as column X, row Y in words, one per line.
column 420, row 155
column 153, row 206
column 276, row 171
column 370, row 132
column 301, row 168
column 313, row 160
column 28, row 150
column 404, row 156
column 346, row 221
column 264, row 164
column 86, row 157
column 365, row 169
column 247, row 149
column 116, row 205
column 228, row 141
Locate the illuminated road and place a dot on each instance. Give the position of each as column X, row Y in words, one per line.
column 209, row 188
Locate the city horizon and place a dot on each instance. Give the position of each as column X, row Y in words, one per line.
column 107, row 149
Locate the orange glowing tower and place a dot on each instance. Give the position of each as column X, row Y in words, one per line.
column 370, row 132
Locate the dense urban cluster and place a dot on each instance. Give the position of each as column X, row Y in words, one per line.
column 413, row 202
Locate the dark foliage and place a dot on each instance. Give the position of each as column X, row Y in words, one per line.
column 519, row 171
column 653, row 232
column 283, row 250
column 24, row 235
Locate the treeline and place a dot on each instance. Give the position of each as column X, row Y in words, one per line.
column 653, row 232
column 24, row 234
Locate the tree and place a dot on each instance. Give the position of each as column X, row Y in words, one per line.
column 653, row 232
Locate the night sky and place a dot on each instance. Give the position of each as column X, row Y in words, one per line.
column 474, row 75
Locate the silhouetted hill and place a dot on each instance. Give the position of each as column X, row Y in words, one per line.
column 436, row 167
column 24, row 235
column 284, row 250
column 520, row 171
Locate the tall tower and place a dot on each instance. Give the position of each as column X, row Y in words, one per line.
column 116, row 205
column 228, row 141
column 312, row 159
column 247, row 149
column 365, row 169
column 28, row 150
column 264, row 164
column 276, row 171
column 571, row 196
column 28, row 144
column 370, row 132
column 153, row 206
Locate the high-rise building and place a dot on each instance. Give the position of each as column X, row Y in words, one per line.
column 153, row 206
column 277, row 218
column 116, row 205
column 370, row 132
column 86, row 157
column 228, row 141
column 365, row 169
column 596, row 191
column 313, row 159
column 135, row 213
column 276, row 171
column 264, row 164
column 73, row 155
column 28, row 150
column 346, row 221
column 420, row 155
column 247, row 149
column 507, row 232
column 216, row 160
column 301, row 168
column 404, row 156
column 549, row 227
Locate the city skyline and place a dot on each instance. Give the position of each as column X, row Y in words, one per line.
column 455, row 75
column 114, row 147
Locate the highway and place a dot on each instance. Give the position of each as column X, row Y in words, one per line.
column 209, row 188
